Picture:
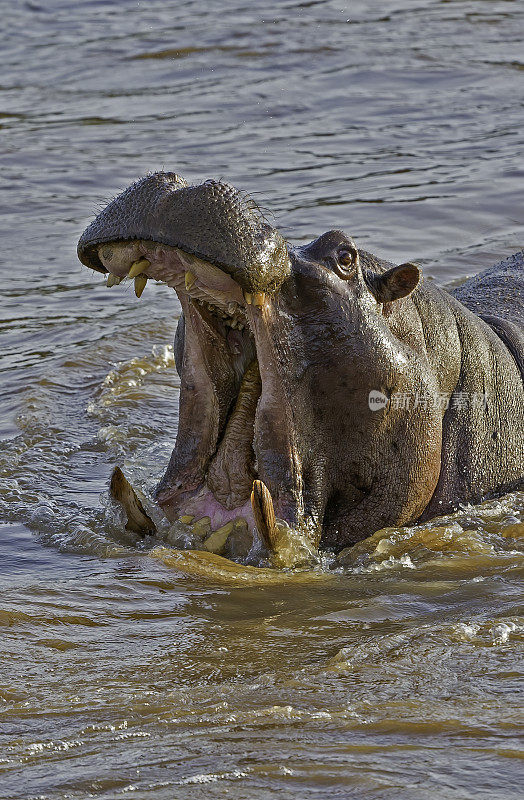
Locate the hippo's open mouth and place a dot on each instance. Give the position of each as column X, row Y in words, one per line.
column 237, row 451
column 233, row 423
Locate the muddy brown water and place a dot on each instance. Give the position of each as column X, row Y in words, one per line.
column 127, row 671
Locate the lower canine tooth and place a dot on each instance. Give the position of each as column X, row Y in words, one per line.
column 138, row 267
column 189, row 281
column 113, row 280
column 140, row 284
column 124, row 494
column 264, row 514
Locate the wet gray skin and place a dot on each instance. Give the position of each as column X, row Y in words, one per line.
column 278, row 350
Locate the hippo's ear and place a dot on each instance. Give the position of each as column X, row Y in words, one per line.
column 397, row 282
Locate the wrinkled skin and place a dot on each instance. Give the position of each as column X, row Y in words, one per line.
column 279, row 348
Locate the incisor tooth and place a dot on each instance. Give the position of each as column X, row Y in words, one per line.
column 140, row 284
column 113, row 280
column 138, row 267
column 217, row 541
column 189, row 280
column 202, row 527
column 259, row 298
column 248, row 297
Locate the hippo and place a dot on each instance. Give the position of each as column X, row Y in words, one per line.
column 322, row 388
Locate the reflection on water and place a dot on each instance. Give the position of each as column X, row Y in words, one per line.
column 129, row 670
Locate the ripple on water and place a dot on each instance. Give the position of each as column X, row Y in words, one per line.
column 130, row 671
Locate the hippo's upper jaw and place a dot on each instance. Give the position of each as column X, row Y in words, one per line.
column 213, row 221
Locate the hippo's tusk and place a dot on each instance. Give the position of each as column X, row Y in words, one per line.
column 264, row 514
column 189, row 280
column 287, row 548
column 138, row 267
column 122, row 492
column 140, row 284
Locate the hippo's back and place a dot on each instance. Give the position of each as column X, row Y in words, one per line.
column 497, row 296
column 498, row 291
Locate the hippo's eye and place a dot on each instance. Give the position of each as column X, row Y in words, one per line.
column 347, row 258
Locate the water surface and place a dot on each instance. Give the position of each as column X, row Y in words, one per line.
column 124, row 673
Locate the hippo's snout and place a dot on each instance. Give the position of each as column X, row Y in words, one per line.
column 212, row 221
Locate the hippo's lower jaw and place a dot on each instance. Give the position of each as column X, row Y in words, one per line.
column 234, row 426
